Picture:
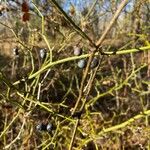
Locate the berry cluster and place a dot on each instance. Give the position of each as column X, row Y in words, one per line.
column 82, row 62
column 44, row 127
column 16, row 51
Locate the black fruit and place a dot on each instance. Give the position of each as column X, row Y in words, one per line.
column 43, row 53
column 77, row 51
column 41, row 127
column 94, row 63
column 49, row 127
column 82, row 63
column 16, row 51
column 77, row 114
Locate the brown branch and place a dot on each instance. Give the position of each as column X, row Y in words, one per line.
column 121, row 6
column 76, row 27
column 99, row 42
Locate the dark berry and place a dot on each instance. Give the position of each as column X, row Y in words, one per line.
column 41, row 127
column 43, row 53
column 82, row 63
column 16, row 51
column 94, row 63
column 49, row 127
column 77, row 51
column 77, row 114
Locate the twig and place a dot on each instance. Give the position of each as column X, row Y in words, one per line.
column 99, row 42
column 90, row 84
column 77, row 28
column 122, row 125
column 91, row 9
column 116, row 15
column 119, row 126
column 47, row 66
column 74, row 134
column 18, row 136
column 121, row 6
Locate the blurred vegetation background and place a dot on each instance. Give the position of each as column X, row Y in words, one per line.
column 41, row 76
